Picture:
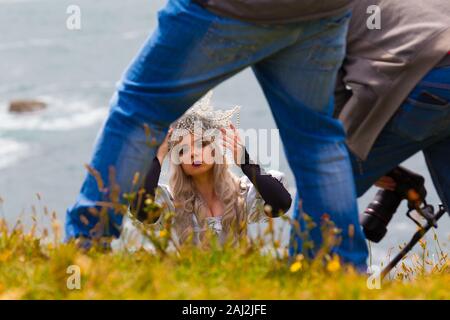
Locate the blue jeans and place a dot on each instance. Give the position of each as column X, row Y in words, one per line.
column 194, row 50
column 420, row 124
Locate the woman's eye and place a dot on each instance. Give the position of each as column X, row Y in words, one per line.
column 206, row 143
column 182, row 150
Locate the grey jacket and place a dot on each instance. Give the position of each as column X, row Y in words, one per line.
column 383, row 66
column 276, row 11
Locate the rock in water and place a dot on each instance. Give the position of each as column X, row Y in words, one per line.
column 22, row 106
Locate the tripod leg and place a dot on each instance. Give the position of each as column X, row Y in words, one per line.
column 416, row 237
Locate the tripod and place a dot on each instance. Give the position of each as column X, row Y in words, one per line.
column 428, row 213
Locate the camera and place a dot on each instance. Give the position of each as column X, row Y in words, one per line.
column 410, row 186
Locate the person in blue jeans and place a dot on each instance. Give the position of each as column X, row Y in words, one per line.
column 195, row 48
column 393, row 92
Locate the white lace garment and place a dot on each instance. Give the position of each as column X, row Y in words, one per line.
column 132, row 237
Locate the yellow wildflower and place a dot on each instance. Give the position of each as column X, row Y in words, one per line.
column 334, row 264
column 296, row 266
column 163, row 233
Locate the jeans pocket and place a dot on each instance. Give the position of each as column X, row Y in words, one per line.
column 419, row 119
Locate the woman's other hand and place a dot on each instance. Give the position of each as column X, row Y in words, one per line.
column 232, row 141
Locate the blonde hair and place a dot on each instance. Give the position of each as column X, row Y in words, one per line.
column 188, row 203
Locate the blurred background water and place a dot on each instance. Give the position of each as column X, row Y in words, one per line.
column 75, row 72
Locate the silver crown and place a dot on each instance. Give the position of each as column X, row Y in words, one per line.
column 203, row 116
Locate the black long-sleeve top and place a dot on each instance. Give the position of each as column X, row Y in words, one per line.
column 271, row 190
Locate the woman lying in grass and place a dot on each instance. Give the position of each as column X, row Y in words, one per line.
column 203, row 193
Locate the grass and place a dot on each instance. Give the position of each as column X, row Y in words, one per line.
column 35, row 266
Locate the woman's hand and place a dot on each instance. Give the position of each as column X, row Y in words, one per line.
column 232, row 141
column 386, row 183
column 164, row 147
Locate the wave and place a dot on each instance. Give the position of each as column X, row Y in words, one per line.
column 52, row 42
column 134, row 34
column 58, row 116
column 17, row 1
column 36, row 42
column 11, row 151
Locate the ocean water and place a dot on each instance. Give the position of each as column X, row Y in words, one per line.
column 75, row 72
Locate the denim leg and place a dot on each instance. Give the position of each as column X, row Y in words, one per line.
column 299, row 83
column 191, row 51
column 437, row 157
column 419, row 125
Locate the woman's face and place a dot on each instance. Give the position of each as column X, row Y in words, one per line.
column 196, row 154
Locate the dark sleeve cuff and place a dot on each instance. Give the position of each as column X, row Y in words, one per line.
column 152, row 177
column 249, row 168
column 271, row 190
column 150, row 185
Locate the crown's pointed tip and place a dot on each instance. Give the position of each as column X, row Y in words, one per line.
column 209, row 94
column 207, row 97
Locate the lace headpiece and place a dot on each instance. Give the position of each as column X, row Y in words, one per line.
column 203, row 116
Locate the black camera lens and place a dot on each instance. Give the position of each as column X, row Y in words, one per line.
column 380, row 211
